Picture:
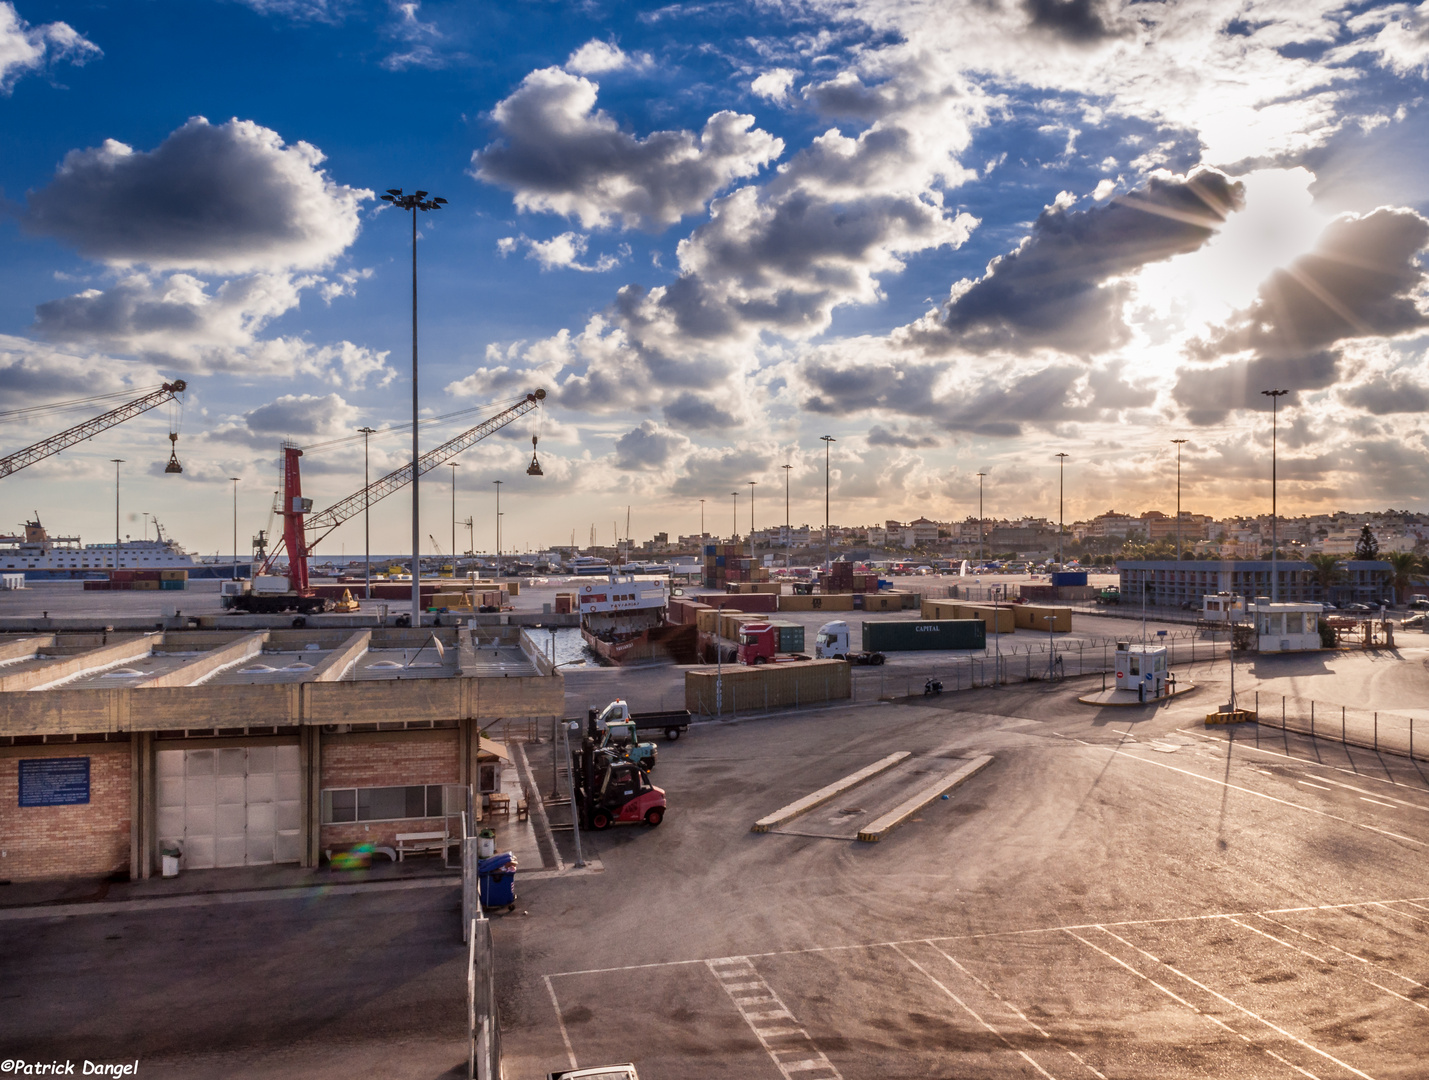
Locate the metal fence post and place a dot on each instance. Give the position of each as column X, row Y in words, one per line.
column 1312, row 718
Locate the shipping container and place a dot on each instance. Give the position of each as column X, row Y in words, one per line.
column 941, row 634
column 790, row 636
column 1069, row 577
column 173, row 575
column 1034, row 617
column 830, row 602
column 710, row 692
column 998, row 618
column 173, row 583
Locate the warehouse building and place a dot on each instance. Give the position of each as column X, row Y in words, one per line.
column 1174, row 584
column 249, row 748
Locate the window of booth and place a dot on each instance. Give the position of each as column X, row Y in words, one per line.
column 341, row 805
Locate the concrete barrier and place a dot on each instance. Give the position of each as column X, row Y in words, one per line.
column 880, row 827
column 786, row 814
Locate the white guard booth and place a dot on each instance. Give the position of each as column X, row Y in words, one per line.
column 1138, row 665
column 1287, row 627
column 1222, row 607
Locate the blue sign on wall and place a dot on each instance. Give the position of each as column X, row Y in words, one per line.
column 54, row 781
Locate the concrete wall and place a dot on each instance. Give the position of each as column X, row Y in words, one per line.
column 387, row 759
column 44, row 842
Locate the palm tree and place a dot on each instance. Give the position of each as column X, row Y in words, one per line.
column 1403, row 565
column 1326, row 571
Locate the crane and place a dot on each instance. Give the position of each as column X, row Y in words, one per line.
column 90, row 428
column 303, row 529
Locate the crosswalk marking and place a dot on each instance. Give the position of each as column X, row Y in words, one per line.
column 739, row 979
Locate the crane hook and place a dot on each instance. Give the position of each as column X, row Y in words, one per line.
column 173, row 466
column 534, row 469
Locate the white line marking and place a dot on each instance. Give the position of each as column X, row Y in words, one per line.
column 967, row 1009
column 808, row 1058
column 1346, row 952
column 1322, row 960
column 1239, row 1008
column 1402, row 914
column 1322, row 787
column 1252, row 791
column 1378, row 802
column 977, row 937
column 565, row 1036
column 1199, row 1012
column 1021, row 1015
column 1307, row 761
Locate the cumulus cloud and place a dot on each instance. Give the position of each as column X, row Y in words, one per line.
column 230, row 198
column 1060, row 288
column 878, row 435
column 35, row 372
column 1384, row 394
column 559, row 153
column 303, row 414
column 774, row 85
column 596, row 57
column 562, row 252
column 1077, row 21
column 649, row 447
column 25, row 48
column 1361, row 280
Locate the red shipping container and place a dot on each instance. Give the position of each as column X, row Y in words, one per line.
column 121, row 575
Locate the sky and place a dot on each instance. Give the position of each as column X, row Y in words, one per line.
column 957, row 237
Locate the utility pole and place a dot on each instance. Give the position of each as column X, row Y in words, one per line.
column 981, row 525
column 416, row 201
column 117, row 462
column 788, row 533
column 828, row 560
column 1274, row 396
column 752, row 555
column 734, row 520
column 366, row 512
column 1061, row 473
column 1179, row 443
column 702, row 519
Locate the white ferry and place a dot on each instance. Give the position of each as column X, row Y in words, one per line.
column 587, row 565
column 43, row 557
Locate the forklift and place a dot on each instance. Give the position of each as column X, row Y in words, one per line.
column 611, row 789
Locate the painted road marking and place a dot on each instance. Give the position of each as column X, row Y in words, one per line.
column 1336, row 948
column 1322, row 787
column 1018, row 1012
column 1165, row 921
column 1322, row 960
column 737, row 975
column 1252, row 791
column 1182, row 1001
column 1378, row 802
column 786, row 814
column 1308, row 761
column 968, row 1009
column 882, row 826
column 561, row 1020
column 1239, row 1008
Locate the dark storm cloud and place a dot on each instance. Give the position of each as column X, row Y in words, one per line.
column 558, row 152
column 700, row 413
column 1361, row 280
column 1055, row 290
column 1072, row 20
column 1387, row 394
column 303, row 414
column 878, row 435
column 1210, row 394
column 230, row 198
column 648, row 448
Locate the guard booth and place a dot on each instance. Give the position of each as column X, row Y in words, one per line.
column 1287, row 627
column 1141, row 665
column 1222, row 607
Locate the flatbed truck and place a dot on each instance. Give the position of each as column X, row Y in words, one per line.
column 673, row 723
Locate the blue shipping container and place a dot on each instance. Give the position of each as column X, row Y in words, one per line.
column 1070, row 577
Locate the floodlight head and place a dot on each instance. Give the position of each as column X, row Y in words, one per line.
column 394, row 191
column 421, row 194
column 440, row 200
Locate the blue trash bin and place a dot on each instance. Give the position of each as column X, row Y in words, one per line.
column 496, row 880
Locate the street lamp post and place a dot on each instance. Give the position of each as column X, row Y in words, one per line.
column 1179, row 443
column 752, row 554
column 454, row 467
column 981, row 526
column 828, row 561
column 235, row 527
column 702, row 519
column 498, row 484
column 1061, row 472
column 416, row 201
column 366, row 515
column 1274, row 396
column 788, row 534
column 118, row 461
column 734, row 519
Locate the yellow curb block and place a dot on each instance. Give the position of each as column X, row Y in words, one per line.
column 881, row 827
column 1239, row 716
column 824, row 794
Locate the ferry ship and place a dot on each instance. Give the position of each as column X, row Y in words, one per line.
column 587, row 566
column 43, row 557
column 623, row 620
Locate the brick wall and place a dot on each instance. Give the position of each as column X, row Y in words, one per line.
column 67, row 841
column 386, row 759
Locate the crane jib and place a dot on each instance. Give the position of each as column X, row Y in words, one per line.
column 325, row 521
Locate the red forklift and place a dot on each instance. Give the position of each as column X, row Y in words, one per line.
column 611, row 789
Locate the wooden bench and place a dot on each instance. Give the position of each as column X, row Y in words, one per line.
column 412, row 843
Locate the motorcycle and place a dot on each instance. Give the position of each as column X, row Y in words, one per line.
column 932, row 688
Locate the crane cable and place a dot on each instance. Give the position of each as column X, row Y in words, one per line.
column 10, row 416
column 344, row 440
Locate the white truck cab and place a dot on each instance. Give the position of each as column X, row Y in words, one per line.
column 831, row 642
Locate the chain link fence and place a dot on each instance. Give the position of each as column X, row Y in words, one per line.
column 1385, row 732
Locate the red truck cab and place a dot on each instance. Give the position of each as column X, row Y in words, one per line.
column 758, row 643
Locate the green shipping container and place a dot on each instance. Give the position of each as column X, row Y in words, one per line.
column 169, row 584
column 940, row 634
column 790, row 636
